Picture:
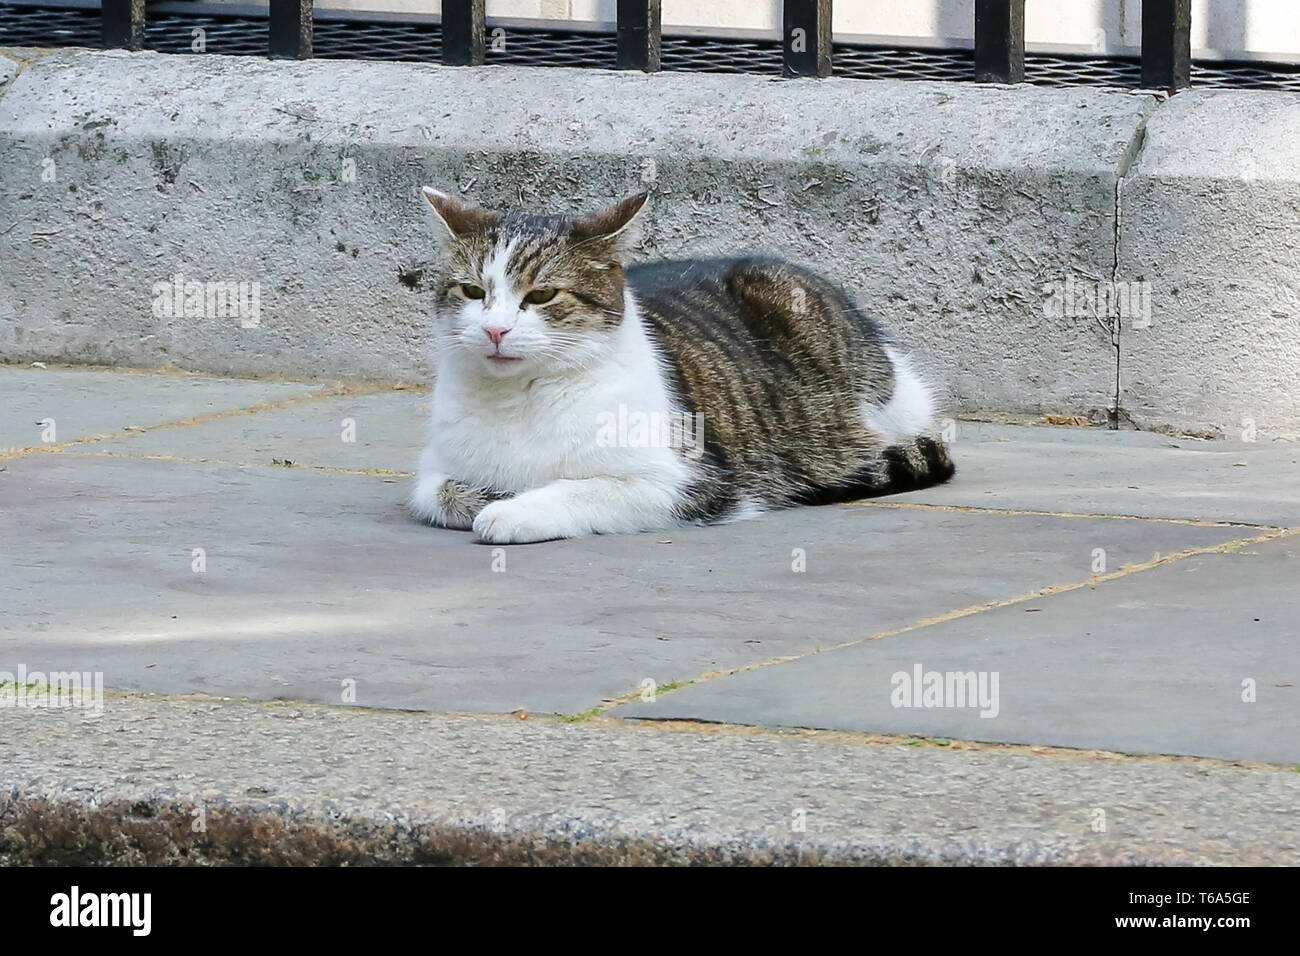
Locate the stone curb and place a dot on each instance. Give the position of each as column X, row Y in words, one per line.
column 177, row 780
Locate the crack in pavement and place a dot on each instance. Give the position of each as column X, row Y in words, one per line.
column 976, row 509
column 1049, row 591
column 333, row 391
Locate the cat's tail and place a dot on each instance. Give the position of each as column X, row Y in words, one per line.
column 915, row 455
column 916, row 463
column 906, row 465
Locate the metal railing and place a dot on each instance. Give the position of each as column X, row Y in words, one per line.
column 806, row 42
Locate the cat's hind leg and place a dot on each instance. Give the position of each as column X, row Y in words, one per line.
column 450, row 503
column 574, row 508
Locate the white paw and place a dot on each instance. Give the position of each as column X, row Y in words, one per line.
column 515, row 521
column 423, row 502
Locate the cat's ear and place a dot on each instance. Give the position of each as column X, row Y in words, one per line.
column 611, row 223
column 460, row 218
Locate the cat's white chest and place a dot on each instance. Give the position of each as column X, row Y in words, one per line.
column 516, row 439
column 510, row 443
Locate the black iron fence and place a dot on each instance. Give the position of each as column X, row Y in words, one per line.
column 463, row 36
column 806, row 43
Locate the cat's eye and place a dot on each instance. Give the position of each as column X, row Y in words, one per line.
column 541, row 296
column 472, row 291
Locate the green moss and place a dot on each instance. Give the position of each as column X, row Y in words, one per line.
column 578, row 718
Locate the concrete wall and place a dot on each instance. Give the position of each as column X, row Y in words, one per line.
column 1211, row 218
column 955, row 212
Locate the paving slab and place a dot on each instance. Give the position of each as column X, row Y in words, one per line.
column 1088, row 470
column 383, row 430
column 313, row 578
column 1104, row 471
column 84, row 403
column 1157, row 662
column 1036, row 468
column 303, row 784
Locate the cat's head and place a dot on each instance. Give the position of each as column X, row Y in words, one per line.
column 530, row 293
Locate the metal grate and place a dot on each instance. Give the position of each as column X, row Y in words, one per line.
column 422, row 42
column 39, row 26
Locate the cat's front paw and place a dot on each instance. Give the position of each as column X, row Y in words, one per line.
column 516, row 521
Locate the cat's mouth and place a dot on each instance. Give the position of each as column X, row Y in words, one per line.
column 499, row 359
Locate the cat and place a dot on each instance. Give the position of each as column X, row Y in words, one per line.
column 577, row 395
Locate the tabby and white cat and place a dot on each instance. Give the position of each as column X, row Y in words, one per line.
column 570, row 388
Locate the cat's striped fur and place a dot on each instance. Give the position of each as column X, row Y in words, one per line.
column 801, row 398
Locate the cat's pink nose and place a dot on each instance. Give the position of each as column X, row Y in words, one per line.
column 496, row 333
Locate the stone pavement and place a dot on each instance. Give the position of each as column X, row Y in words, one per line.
column 1097, row 591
